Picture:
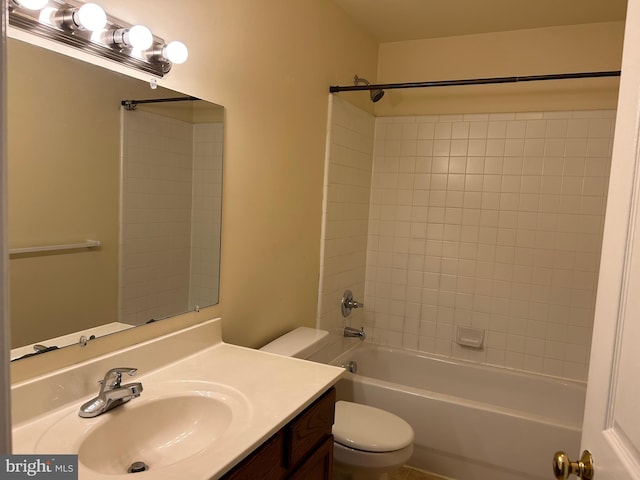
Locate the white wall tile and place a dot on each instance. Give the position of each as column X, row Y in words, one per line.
column 491, row 220
column 511, row 227
column 346, row 210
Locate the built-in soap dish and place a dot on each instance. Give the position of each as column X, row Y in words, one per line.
column 470, row 337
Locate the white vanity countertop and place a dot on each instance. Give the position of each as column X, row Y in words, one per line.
column 271, row 390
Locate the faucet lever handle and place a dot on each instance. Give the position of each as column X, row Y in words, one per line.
column 116, row 374
column 348, row 303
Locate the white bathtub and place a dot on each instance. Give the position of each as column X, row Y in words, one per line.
column 472, row 422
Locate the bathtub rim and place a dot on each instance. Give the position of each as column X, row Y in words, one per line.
column 455, row 361
column 456, row 400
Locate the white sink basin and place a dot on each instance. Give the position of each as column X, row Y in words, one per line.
column 160, row 432
column 166, row 425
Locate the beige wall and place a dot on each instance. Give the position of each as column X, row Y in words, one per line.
column 577, row 48
column 64, row 170
column 187, row 111
column 270, row 64
column 51, row 294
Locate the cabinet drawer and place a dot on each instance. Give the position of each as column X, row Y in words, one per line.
column 309, row 429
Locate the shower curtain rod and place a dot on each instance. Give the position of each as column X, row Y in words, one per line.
column 474, row 81
column 131, row 104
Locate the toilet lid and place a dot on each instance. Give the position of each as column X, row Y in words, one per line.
column 370, row 429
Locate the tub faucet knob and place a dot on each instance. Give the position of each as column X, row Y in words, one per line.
column 348, row 303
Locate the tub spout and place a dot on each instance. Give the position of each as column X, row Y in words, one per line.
column 354, row 332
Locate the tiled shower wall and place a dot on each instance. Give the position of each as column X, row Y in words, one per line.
column 490, row 221
column 494, row 222
column 345, row 215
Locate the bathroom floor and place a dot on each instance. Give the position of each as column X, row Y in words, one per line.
column 409, row 473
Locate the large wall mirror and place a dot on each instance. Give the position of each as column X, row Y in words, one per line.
column 145, row 183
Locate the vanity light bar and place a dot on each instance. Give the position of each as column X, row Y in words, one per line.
column 87, row 27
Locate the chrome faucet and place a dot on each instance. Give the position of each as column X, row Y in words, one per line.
column 354, row 332
column 112, row 394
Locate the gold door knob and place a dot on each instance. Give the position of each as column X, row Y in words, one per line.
column 563, row 467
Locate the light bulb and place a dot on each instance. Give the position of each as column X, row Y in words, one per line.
column 32, row 4
column 91, row 17
column 47, row 15
column 139, row 37
column 176, row 52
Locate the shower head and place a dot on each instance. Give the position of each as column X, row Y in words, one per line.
column 376, row 94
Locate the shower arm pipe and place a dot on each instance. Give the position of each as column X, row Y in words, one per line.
column 132, row 103
column 475, row 81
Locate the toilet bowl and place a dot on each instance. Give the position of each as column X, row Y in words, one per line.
column 368, row 442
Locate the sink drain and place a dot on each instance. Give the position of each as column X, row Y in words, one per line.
column 137, row 467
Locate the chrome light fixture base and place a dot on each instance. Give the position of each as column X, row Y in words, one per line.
column 49, row 23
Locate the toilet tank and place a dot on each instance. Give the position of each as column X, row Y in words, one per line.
column 298, row 343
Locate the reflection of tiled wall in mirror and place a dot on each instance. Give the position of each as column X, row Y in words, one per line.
column 156, row 216
column 207, row 213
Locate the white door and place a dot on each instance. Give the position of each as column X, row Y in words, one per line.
column 611, row 430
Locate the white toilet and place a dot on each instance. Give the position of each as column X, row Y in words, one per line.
column 368, row 442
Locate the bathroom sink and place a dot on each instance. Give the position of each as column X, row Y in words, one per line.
column 160, row 432
column 153, row 432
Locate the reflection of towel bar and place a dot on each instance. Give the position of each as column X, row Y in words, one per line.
column 51, row 248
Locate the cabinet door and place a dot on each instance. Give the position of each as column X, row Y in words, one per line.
column 319, row 465
column 306, row 432
column 264, row 464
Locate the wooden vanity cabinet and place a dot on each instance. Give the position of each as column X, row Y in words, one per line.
column 301, row 450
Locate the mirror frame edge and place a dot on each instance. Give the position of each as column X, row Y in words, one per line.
column 5, row 379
